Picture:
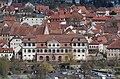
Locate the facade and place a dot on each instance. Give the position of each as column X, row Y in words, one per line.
column 113, row 50
column 55, row 47
column 6, row 52
column 33, row 21
column 16, row 44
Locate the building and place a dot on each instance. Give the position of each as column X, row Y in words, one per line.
column 33, row 21
column 6, row 52
column 54, row 47
column 113, row 50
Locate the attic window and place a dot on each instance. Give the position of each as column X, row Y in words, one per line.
column 28, row 39
column 78, row 39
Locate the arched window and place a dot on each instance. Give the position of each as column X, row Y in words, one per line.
column 60, row 58
column 53, row 57
column 41, row 58
column 47, row 58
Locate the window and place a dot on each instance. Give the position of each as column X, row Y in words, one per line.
column 83, row 50
column 29, row 50
column 41, row 58
column 61, row 50
column 33, row 44
column 28, row 39
column 65, row 44
column 83, row 44
column 66, row 50
column 29, row 55
column 74, row 44
column 41, row 44
column 41, row 50
column 53, row 50
column 78, row 50
column 25, row 55
column 78, row 44
column 29, row 44
column 49, row 45
column 83, row 55
column 57, row 44
column 45, row 50
column 78, row 39
column 24, row 44
column 74, row 50
column 33, row 50
column 53, row 44
column 37, row 50
column 78, row 55
column 58, row 50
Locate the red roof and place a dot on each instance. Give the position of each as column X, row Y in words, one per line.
column 6, row 50
column 114, row 45
column 94, row 42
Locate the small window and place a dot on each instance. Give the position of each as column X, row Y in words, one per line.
column 33, row 44
column 61, row 50
column 74, row 44
column 24, row 44
column 53, row 50
column 58, row 50
column 78, row 44
column 45, row 50
column 74, row 50
column 66, row 50
column 49, row 45
column 29, row 44
column 37, row 50
column 65, row 44
column 78, row 50
column 28, row 39
column 33, row 50
column 78, row 39
column 29, row 55
column 41, row 44
column 25, row 55
column 57, row 44
column 29, row 50
column 83, row 50
column 41, row 50
column 83, row 44
column 53, row 44
column 78, row 55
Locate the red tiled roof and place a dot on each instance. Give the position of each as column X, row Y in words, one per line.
column 6, row 50
column 94, row 42
column 114, row 45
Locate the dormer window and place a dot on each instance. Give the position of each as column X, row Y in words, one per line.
column 65, row 44
column 28, row 39
column 41, row 44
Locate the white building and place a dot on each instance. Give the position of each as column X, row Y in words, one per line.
column 28, row 49
column 33, row 21
column 16, row 44
column 6, row 52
